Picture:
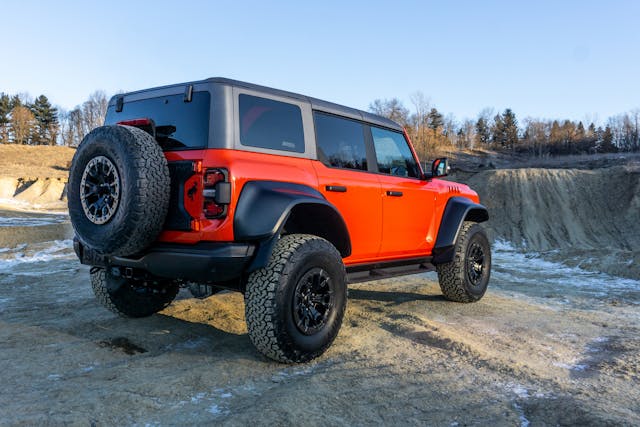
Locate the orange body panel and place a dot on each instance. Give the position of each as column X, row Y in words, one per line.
column 383, row 226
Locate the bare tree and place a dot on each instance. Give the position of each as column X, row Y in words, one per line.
column 419, row 122
column 94, row 110
column 22, row 125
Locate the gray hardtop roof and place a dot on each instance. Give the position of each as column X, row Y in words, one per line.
column 316, row 104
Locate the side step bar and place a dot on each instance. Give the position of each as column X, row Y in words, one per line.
column 367, row 272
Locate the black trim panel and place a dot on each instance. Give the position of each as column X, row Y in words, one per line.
column 203, row 262
column 178, row 218
column 458, row 210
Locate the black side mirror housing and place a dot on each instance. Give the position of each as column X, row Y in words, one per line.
column 440, row 167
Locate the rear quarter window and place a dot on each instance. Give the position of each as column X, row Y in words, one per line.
column 340, row 142
column 179, row 125
column 270, row 124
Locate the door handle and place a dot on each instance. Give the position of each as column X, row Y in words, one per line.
column 394, row 193
column 336, row 188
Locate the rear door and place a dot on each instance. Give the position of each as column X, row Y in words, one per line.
column 345, row 181
column 407, row 201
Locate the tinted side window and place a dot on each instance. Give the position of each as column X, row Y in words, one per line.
column 340, row 142
column 266, row 123
column 393, row 153
column 179, row 124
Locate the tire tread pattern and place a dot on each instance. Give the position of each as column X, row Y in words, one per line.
column 452, row 275
column 261, row 303
column 145, row 190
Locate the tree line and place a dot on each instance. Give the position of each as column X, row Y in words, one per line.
column 28, row 121
column 24, row 120
column 433, row 133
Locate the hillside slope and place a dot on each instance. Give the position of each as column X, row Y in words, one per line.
column 591, row 216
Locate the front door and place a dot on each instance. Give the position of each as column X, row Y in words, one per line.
column 407, row 201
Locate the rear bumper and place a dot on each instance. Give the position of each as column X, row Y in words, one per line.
column 203, row 262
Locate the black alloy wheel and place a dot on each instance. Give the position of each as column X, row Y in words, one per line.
column 312, row 301
column 100, row 190
column 475, row 263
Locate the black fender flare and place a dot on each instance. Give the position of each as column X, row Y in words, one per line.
column 265, row 206
column 457, row 210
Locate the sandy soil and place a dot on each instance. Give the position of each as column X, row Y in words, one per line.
column 31, row 162
column 404, row 356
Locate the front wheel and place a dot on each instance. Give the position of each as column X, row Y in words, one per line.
column 295, row 305
column 466, row 277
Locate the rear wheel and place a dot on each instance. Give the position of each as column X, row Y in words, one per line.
column 466, row 277
column 295, row 305
column 132, row 297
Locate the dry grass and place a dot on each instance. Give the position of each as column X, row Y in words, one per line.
column 25, row 161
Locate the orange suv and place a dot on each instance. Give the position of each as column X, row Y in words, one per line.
column 220, row 184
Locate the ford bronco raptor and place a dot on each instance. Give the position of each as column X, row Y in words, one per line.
column 219, row 184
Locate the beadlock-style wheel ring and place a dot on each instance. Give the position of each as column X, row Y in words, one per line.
column 100, row 190
column 475, row 264
column 312, row 301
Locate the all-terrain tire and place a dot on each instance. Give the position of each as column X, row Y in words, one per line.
column 129, row 163
column 280, row 318
column 129, row 297
column 466, row 277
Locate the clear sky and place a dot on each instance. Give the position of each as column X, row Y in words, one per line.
column 545, row 59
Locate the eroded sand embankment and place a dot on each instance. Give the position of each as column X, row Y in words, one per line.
column 33, row 193
column 589, row 218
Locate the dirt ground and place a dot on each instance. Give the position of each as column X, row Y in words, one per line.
column 404, row 356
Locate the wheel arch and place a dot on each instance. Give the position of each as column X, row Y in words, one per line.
column 456, row 212
column 286, row 208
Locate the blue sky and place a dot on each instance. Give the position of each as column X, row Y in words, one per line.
column 545, row 59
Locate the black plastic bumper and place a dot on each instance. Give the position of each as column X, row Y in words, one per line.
column 202, row 262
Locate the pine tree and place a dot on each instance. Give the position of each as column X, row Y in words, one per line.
column 607, row 145
column 16, row 101
column 555, row 137
column 498, row 136
column 435, row 120
column 482, row 131
column 47, row 118
column 510, row 128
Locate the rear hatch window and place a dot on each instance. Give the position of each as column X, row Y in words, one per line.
column 179, row 125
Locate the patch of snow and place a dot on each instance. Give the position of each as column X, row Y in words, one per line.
column 524, row 422
column 571, row 367
column 192, row 343
column 198, row 397
column 518, row 389
column 530, row 273
column 35, row 221
column 217, row 410
column 57, row 249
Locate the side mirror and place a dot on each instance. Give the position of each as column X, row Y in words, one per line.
column 440, row 167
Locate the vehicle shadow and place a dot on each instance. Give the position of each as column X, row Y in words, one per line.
column 212, row 330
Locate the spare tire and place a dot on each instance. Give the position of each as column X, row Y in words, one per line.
column 118, row 191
